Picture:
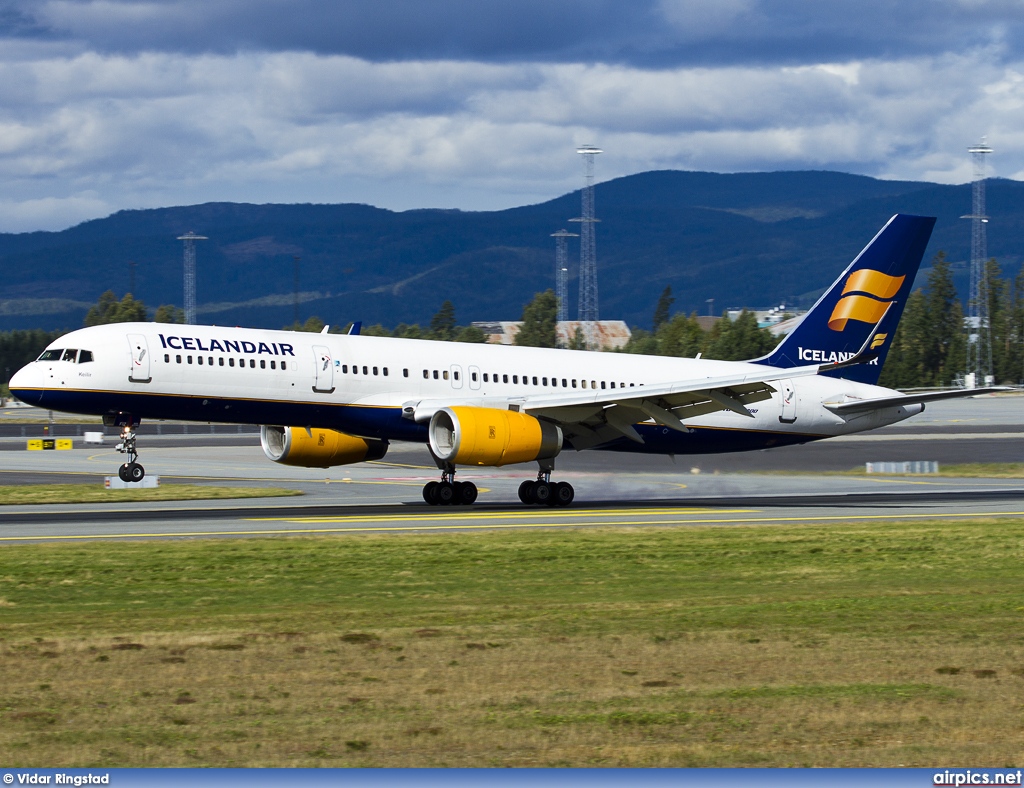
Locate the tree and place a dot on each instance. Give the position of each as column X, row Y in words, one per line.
column 471, row 334
column 661, row 311
column 540, row 317
column 313, row 325
column 109, row 310
column 681, row 336
column 578, row 341
column 168, row 313
column 442, row 325
column 739, row 339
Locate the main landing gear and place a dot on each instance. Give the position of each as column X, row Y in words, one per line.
column 449, row 492
column 130, row 471
column 546, row 493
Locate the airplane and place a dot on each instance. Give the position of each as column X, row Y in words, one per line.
column 323, row 400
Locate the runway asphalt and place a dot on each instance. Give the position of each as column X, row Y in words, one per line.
column 785, row 485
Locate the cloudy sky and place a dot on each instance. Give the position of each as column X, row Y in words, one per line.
column 111, row 104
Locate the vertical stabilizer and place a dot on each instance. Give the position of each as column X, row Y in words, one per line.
column 868, row 298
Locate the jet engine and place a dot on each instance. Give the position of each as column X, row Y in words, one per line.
column 318, row 448
column 489, row 436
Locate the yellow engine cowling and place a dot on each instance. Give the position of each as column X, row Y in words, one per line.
column 318, row 448
column 488, row 436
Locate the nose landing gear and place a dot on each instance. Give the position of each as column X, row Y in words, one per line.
column 130, row 471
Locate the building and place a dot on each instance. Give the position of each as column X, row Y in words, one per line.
column 610, row 334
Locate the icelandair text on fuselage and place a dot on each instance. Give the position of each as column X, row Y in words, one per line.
column 827, row 356
column 227, row 346
column 60, row 779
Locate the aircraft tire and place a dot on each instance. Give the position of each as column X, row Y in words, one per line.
column 122, row 473
column 430, row 493
column 563, row 494
column 526, row 491
column 467, row 493
column 445, row 493
column 136, row 472
column 542, row 493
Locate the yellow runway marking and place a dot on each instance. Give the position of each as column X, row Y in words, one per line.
column 498, row 526
column 477, row 515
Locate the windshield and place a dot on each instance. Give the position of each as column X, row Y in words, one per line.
column 51, row 355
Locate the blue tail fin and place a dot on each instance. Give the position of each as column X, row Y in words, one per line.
column 874, row 288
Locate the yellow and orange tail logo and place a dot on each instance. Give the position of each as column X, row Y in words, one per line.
column 864, row 308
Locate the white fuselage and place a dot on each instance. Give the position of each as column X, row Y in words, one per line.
column 370, row 386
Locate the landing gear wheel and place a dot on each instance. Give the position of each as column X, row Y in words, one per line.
column 526, row 492
column 122, row 473
column 542, row 493
column 563, row 494
column 136, row 472
column 467, row 493
column 445, row 493
column 430, row 493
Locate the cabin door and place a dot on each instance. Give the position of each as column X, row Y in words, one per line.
column 324, row 369
column 787, row 392
column 139, row 370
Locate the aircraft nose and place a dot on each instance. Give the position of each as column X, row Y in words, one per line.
column 21, row 386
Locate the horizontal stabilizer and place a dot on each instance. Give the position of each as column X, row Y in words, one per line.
column 863, row 405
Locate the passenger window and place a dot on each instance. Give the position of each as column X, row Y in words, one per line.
column 69, row 355
column 385, row 371
column 631, row 385
column 504, row 378
column 365, row 372
column 273, row 364
column 220, row 361
column 602, row 384
column 426, row 374
column 435, row 374
column 593, row 384
column 167, row 358
column 252, row 363
column 544, row 381
column 177, row 359
column 200, row 360
column 51, row 355
column 473, row 376
column 189, row 359
column 515, row 378
column 534, row 380
column 584, row 383
column 374, row 370
column 210, row 360
column 84, row 356
column 574, row 382
column 231, row 362
column 445, row 374
column 613, row 384
column 263, row 363
column 485, row 377
column 563, row 383
column 405, row 373
column 283, row 366
column 456, row 374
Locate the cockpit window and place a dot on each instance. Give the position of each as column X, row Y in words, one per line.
column 84, row 356
column 51, row 355
column 70, row 355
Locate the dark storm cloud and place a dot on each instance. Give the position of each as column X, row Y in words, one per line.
column 647, row 33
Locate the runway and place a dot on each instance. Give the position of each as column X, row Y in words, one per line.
column 787, row 485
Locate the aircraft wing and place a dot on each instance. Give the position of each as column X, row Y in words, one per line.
column 590, row 418
column 864, row 405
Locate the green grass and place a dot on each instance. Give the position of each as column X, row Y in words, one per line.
column 85, row 493
column 853, row 645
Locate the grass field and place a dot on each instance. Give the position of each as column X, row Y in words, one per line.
column 847, row 645
column 82, row 493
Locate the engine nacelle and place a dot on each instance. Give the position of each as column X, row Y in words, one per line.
column 489, row 436
column 318, row 448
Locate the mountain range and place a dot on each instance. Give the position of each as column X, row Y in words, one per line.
column 748, row 239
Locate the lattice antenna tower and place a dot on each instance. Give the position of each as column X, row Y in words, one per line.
column 190, row 239
column 588, row 311
column 562, row 271
column 979, row 327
